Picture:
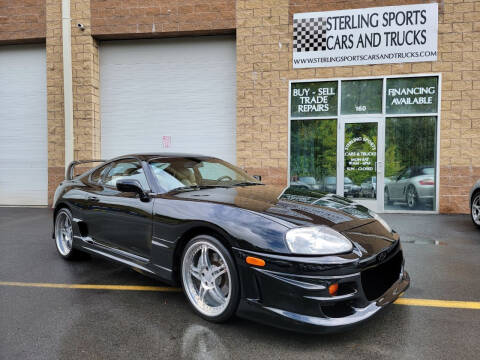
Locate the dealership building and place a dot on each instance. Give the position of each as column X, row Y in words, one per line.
column 339, row 96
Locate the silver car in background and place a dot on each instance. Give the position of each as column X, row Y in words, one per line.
column 369, row 187
column 310, row 181
column 475, row 203
column 414, row 185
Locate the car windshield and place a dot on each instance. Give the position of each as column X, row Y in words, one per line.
column 348, row 181
column 428, row 171
column 174, row 173
column 308, row 180
column 331, row 180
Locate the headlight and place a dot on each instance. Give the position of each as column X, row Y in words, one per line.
column 318, row 240
column 380, row 220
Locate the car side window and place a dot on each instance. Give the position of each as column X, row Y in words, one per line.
column 97, row 175
column 405, row 175
column 126, row 169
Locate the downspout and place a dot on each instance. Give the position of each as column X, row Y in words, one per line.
column 67, row 81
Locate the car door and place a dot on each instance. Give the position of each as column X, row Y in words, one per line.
column 88, row 213
column 398, row 188
column 121, row 220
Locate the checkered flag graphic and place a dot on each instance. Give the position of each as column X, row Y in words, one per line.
column 309, row 34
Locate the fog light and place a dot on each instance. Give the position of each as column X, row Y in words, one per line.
column 255, row 261
column 332, row 289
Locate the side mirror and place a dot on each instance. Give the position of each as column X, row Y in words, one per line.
column 131, row 185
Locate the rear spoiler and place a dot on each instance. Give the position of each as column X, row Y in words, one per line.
column 71, row 167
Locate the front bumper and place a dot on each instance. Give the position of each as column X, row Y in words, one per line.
column 301, row 302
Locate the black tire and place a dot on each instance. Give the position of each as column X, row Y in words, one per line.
column 67, row 253
column 411, row 197
column 475, row 200
column 234, row 281
column 387, row 196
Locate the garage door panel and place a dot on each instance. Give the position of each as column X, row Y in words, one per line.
column 23, row 124
column 180, row 88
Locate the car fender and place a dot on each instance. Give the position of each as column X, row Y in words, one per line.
column 245, row 229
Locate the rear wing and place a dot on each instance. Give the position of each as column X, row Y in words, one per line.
column 71, row 167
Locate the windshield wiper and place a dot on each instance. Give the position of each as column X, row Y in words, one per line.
column 247, row 183
column 197, row 187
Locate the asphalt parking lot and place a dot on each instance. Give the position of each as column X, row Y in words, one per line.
column 38, row 321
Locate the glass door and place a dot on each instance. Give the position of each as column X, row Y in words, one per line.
column 361, row 159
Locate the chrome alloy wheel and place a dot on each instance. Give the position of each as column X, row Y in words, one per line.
column 206, row 278
column 476, row 209
column 411, row 197
column 63, row 233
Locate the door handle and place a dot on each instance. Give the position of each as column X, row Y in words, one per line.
column 93, row 198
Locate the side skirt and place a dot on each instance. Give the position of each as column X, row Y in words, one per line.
column 136, row 262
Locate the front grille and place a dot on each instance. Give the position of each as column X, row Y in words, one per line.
column 377, row 280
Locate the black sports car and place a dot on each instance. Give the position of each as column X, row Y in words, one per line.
column 295, row 258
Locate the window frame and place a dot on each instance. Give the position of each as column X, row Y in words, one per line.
column 160, row 188
column 382, row 118
column 110, row 164
column 102, row 178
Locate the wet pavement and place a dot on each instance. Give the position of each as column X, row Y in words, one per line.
column 442, row 255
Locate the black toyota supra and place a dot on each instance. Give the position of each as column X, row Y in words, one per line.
column 293, row 258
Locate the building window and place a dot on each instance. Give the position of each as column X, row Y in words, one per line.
column 412, row 95
column 362, row 97
column 373, row 140
column 314, row 99
column 313, row 154
column 410, row 154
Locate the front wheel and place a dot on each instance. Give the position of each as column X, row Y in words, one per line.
column 387, row 196
column 210, row 279
column 476, row 208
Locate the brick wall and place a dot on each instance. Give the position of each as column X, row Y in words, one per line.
column 263, row 52
column 55, row 114
column 22, row 21
column 459, row 46
column 154, row 18
column 264, row 66
column 85, row 81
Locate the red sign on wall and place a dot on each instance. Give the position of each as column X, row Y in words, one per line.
column 166, row 141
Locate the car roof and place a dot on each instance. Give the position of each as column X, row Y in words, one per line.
column 150, row 156
column 415, row 167
column 143, row 157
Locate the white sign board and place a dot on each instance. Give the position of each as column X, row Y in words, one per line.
column 392, row 34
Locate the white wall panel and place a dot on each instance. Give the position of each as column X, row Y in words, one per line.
column 182, row 88
column 23, row 125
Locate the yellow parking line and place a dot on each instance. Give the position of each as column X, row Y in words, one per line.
column 401, row 301
column 92, row 286
column 439, row 303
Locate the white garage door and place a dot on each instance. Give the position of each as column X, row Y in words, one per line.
column 23, row 125
column 169, row 95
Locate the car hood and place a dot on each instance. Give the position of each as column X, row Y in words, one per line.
column 301, row 207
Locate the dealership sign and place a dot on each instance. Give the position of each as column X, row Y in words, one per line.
column 392, row 34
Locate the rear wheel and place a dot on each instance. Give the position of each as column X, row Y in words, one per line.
column 64, row 234
column 210, row 279
column 476, row 208
column 411, row 197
